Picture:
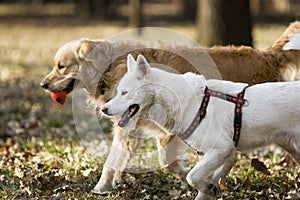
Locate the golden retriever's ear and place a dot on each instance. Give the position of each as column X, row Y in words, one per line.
column 85, row 48
column 95, row 56
column 94, row 50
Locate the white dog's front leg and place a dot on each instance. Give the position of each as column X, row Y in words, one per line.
column 170, row 149
column 200, row 176
column 223, row 170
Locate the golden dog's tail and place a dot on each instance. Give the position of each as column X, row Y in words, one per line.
column 290, row 39
column 294, row 42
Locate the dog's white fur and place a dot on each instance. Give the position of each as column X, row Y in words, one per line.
column 272, row 116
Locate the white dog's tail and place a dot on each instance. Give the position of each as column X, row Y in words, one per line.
column 294, row 43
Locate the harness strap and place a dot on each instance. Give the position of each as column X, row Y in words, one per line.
column 228, row 97
column 199, row 116
column 239, row 101
column 237, row 122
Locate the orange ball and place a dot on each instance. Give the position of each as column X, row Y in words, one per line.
column 59, row 97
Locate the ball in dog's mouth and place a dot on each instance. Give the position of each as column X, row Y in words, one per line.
column 128, row 114
column 59, row 97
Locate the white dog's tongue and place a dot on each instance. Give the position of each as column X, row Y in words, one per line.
column 128, row 114
column 124, row 119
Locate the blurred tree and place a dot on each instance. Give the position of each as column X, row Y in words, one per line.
column 224, row 22
column 37, row 2
column 92, row 8
column 189, row 9
column 135, row 13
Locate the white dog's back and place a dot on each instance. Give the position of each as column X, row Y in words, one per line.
column 272, row 109
column 273, row 114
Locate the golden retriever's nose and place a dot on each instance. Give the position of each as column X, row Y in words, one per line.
column 44, row 85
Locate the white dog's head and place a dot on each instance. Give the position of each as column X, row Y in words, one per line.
column 135, row 92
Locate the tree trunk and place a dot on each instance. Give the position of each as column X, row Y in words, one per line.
column 37, row 2
column 84, row 9
column 189, row 9
column 135, row 13
column 100, row 8
column 224, row 22
column 93, row 9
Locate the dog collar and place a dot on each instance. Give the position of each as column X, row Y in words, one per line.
column 239, row 102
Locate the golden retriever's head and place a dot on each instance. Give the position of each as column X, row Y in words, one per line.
column 79, row 61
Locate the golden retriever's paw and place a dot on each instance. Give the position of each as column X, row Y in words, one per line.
column 102, row 188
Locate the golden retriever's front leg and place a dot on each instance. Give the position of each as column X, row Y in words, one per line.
column 114, row 164
column 106, row 183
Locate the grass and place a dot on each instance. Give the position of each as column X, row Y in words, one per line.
column 42, row 156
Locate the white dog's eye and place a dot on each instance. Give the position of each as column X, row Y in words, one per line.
column 124, row 93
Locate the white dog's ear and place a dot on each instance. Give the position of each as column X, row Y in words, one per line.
column 143, row 65
column 294, row 42
column 131, row 64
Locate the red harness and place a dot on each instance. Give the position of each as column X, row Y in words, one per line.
column 239, row 102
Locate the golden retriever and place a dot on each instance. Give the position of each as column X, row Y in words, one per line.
column 98, row 65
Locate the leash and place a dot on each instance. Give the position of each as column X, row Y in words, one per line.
column 239, row 102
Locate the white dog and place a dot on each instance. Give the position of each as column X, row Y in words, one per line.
column 272, row 115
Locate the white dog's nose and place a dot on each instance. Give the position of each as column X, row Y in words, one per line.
column 105, row 110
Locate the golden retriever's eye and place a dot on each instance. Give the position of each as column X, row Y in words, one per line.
column 60, row 67
column 124, row 93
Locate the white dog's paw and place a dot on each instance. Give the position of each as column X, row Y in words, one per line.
column 179, row 172
column 181, row 175
column 212, row 190
column 203, row 196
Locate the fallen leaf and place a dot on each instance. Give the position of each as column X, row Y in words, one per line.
column 86, row 172
column 222, row 184
column 260, row 166
column 175, row 193
column 19, row 172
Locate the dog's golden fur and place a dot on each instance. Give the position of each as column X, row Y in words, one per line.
column 99, row 65
column 239, row 64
